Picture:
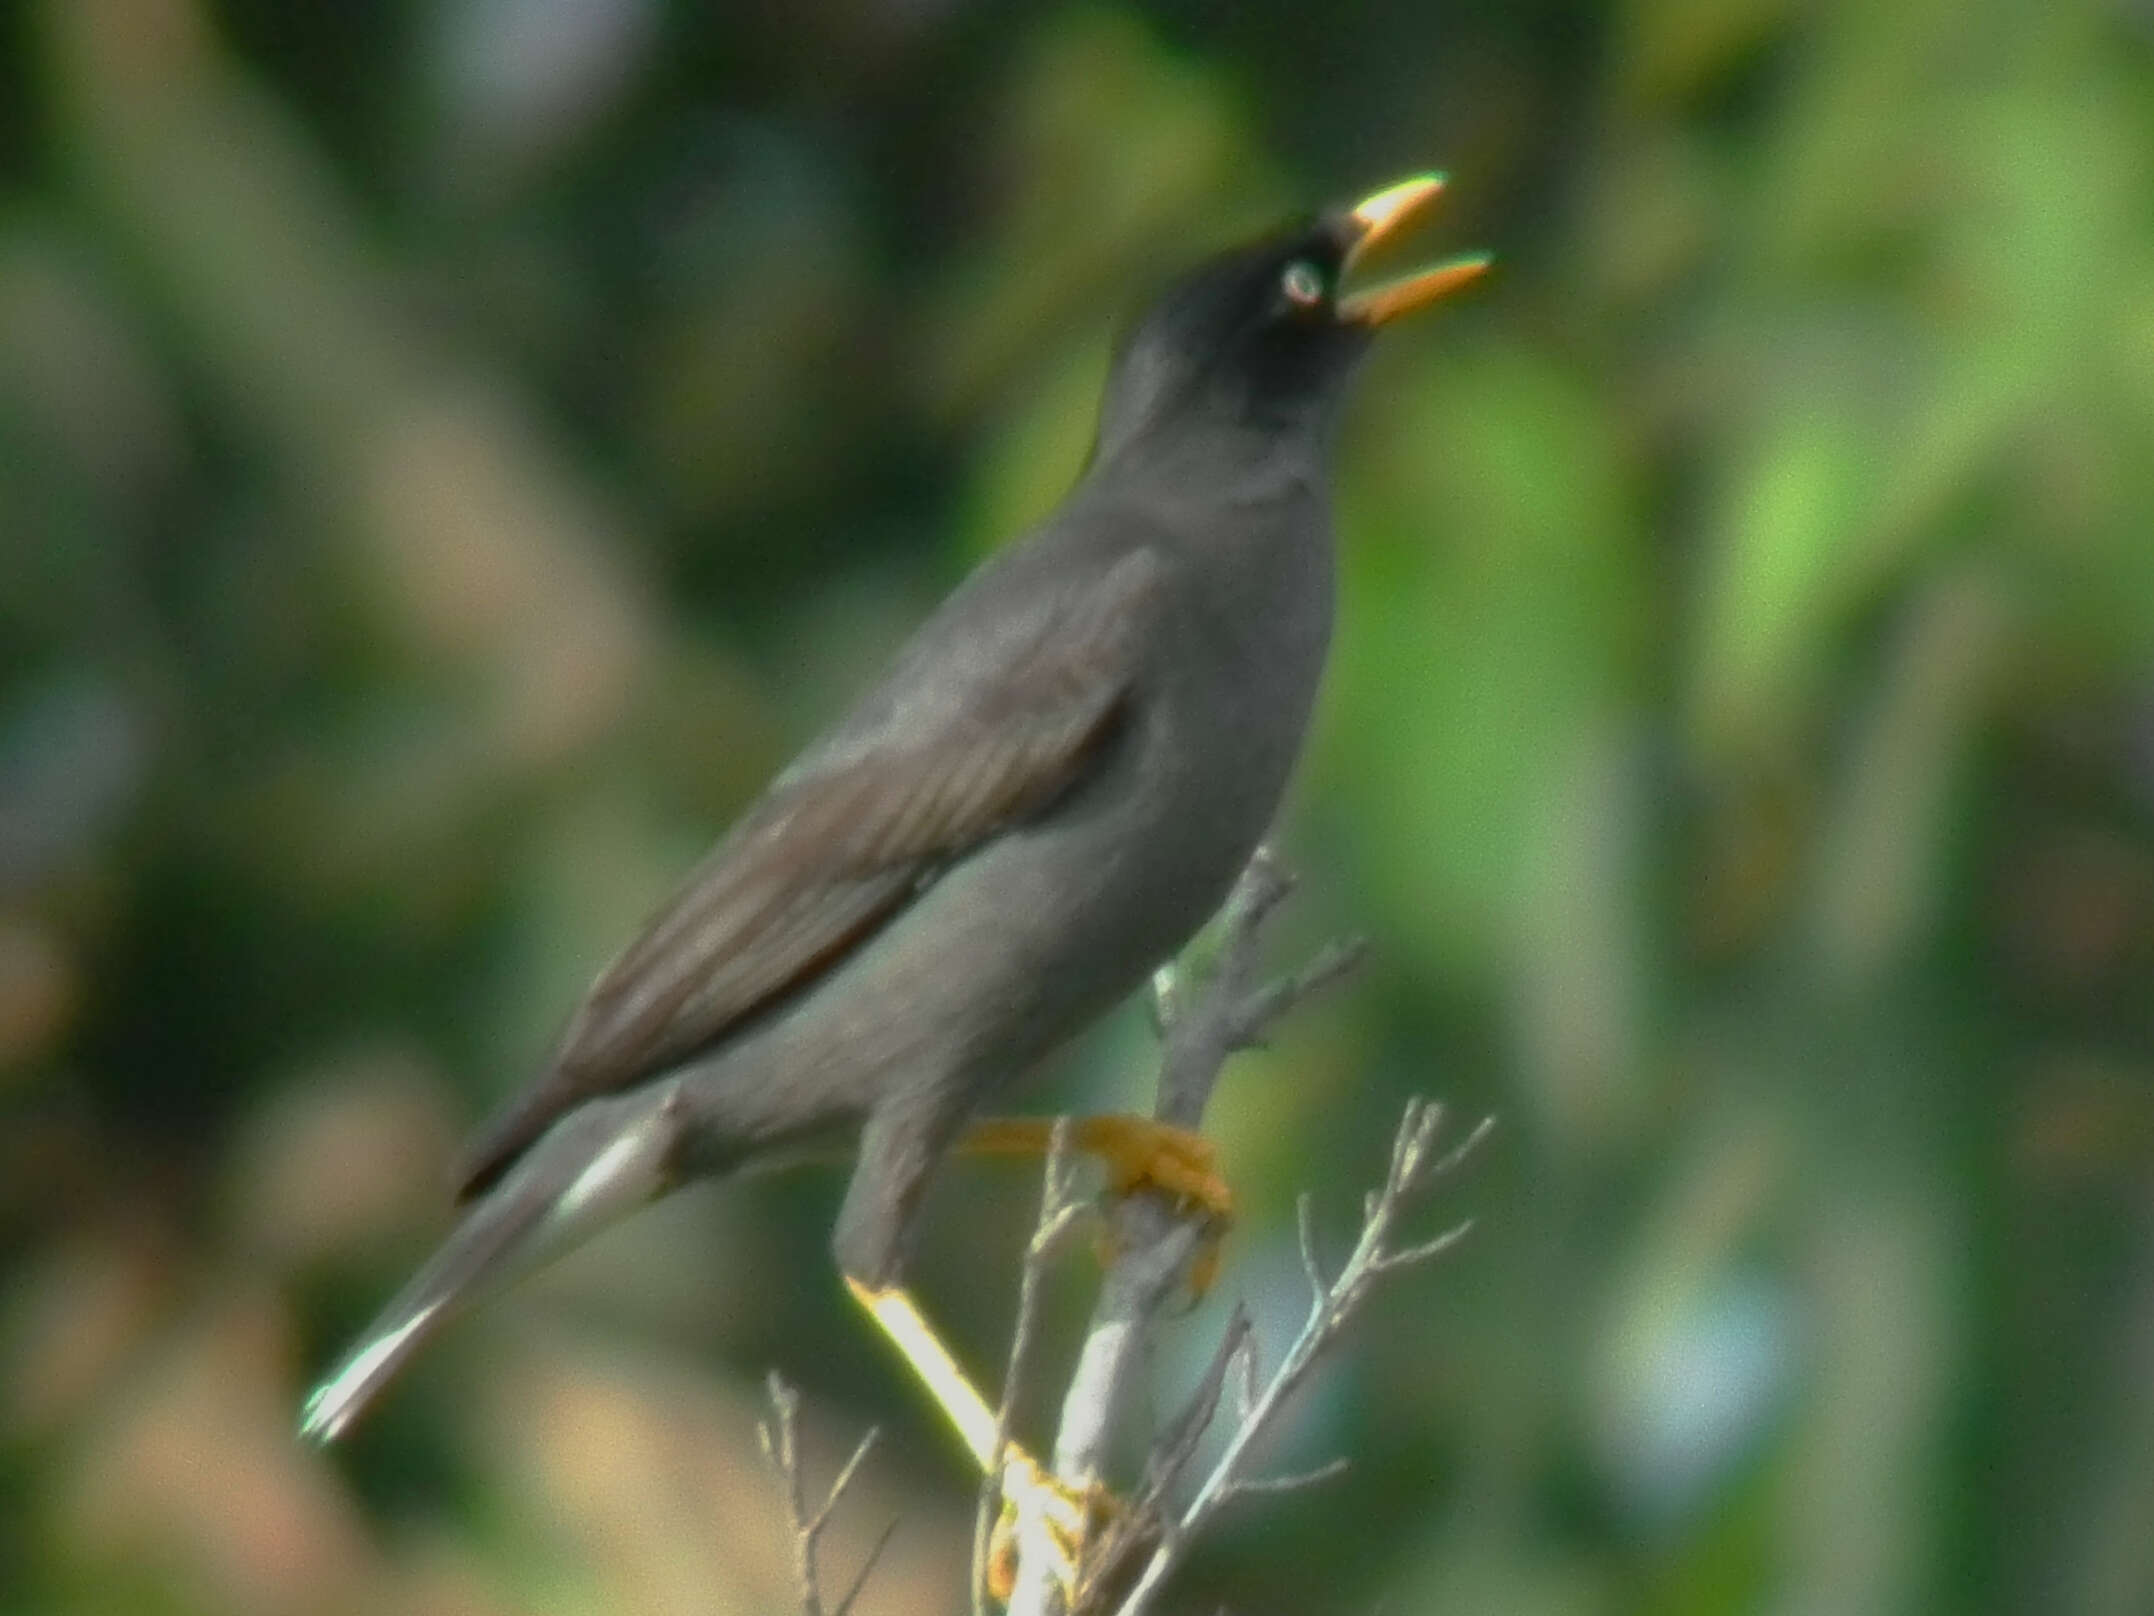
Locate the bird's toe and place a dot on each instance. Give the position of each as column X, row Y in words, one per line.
column 1044, row 1516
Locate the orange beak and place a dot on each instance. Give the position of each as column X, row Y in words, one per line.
column 1379, row 217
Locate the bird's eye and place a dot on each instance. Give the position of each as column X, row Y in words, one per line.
column 1302, row 283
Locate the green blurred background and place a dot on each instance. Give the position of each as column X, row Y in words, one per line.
column 451, row 452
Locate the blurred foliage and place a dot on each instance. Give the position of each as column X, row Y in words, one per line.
column 449, row 453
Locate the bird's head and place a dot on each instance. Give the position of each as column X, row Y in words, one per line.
column 1261, row 339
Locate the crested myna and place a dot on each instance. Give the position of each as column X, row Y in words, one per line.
column 1051, row 788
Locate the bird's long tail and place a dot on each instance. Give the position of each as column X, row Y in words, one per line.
column 600, row 1162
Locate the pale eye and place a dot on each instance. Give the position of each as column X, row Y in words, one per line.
column 1302, row 284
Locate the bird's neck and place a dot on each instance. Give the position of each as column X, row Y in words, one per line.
column 1213, row 461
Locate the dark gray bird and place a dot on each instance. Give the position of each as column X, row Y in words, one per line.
column 1049, row 791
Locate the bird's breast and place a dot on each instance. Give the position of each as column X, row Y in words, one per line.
column 1117, row 877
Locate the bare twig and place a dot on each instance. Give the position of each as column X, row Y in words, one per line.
column 1292, row 1482
column 1268, row 1004
column 1157, row 1244
column 1175, row 1446
column 779, row 1437
column 867, row 1566
column 1230, row 1011
column 1414, row 1166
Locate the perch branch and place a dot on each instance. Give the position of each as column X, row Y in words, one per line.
column 1157, row 1244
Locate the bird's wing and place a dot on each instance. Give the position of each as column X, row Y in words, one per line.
column 949, row 752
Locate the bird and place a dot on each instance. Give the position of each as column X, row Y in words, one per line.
column 1050, row 789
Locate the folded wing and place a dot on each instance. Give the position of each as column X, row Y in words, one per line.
column 947, row 754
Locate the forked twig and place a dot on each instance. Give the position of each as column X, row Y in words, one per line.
column 1415, row 1164
column 1156, row 1243
column 779, row 1438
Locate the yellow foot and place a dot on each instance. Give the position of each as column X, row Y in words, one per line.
column 1041, row 1515
column 1139, row 1153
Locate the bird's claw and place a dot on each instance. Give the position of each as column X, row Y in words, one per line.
column 1141, row 1153
column 1043, row 1515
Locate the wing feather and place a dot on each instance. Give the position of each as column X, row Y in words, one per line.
column 939, row 760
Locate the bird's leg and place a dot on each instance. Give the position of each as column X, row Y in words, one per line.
column 898, row 1317
column 1038, row 1510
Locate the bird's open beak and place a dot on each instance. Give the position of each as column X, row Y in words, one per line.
column 1376, row 219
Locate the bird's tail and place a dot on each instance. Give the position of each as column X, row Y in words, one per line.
column 600, row 1162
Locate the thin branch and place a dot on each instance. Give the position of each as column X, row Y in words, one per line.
column 846, row 1472
column 867, row 1566
column 1331, row 1307
column 1305, row 1227
column 1245, row 1381
column 1335, row 963
column 779, row 1437
column 1199, row 1032
column 1177, row 1444
column 1293, row 1482
column 1164, row 1001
